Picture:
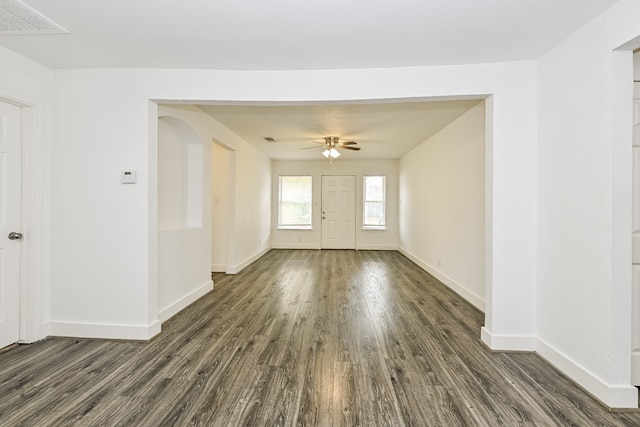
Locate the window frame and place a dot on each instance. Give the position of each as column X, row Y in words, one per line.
column 288, row 226
column 382, row 226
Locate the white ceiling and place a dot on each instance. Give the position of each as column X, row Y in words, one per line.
column 307, row 34
column 382, row 130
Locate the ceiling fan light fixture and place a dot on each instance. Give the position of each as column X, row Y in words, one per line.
column 331, row 153
column 331, row 146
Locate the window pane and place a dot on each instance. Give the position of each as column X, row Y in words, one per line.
column 374, row 213
column 374, row 188
column 374, row 200
column 295, row 200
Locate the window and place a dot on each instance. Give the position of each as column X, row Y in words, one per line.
column 294, row 206
column 374, row 202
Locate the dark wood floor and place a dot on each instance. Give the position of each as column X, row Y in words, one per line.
column 317, row 338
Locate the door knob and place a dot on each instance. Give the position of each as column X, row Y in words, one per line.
column 15, row 235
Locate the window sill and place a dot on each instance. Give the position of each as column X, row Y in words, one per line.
column 295, row 227
column 374, row 227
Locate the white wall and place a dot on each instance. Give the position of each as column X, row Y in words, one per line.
column 184, row 238
column 252, row 207
column 584, row 207
column 102, row 280
column 220, row 209
column 311, row 239
column 24, row 80
column 241, row 179
column 104, row 234
column 442, row 204
column 172, row 169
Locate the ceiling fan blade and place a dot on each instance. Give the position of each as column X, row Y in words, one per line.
column 309, row 148
column 351, row 148
column 348, row 143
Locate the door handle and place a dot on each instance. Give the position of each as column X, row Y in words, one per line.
column 15, row 235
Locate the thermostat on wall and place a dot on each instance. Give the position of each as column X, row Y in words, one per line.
column 128, row 177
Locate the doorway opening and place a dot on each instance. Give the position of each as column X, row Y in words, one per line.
column 222, row 206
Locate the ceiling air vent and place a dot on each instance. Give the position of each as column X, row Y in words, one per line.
column 19, row 19
column 269, row 140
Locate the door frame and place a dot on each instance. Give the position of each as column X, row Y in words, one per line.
column 31, row 218
column 635, row 308
column 620, row 257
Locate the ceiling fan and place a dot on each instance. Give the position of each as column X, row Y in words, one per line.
column 332, row 144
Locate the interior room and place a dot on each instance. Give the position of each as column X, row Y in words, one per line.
column 149, row 152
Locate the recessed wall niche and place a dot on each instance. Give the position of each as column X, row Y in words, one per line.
column 180, row 175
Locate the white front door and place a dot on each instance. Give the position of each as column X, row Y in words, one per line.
column 10, row 202
column 338, row 212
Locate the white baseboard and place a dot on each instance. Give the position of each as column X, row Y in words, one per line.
column 613, row 396
column 376, row 247
column 218, row 268
column 295, row 246
column 103, row 331
column 177, row 306
column 474, row 299
column 507, row 342
column 314, row 246
column 234, row 269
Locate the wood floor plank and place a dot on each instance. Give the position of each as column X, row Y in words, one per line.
column 300, row 338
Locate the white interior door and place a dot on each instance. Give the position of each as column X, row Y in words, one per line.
column 10, row 202
column 635, row 340
column 338, row 212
